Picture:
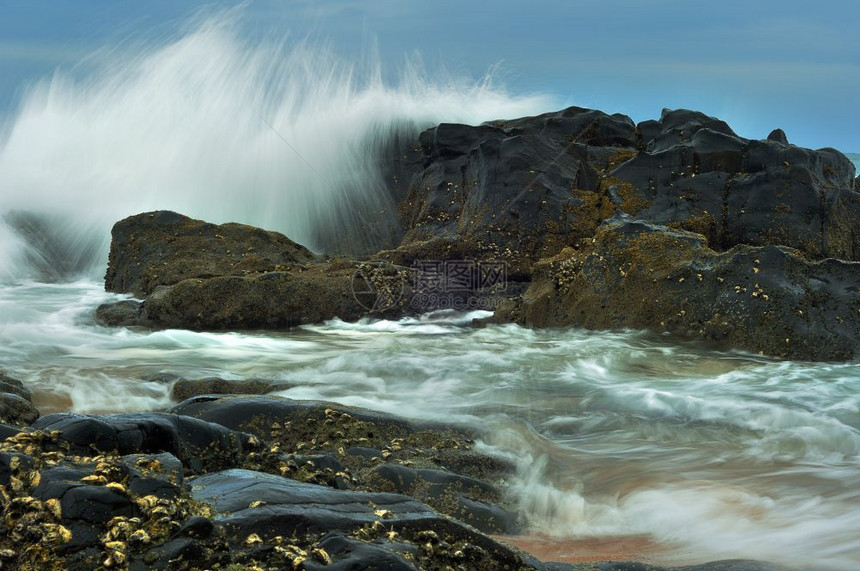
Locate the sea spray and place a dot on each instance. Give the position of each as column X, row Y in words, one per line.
column 283, row 135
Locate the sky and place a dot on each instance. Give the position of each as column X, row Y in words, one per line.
column 758, row 64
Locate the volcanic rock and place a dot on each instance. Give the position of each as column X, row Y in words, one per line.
column 164, row 248
column 767, row 299
column 199, row 445
column 16, row 402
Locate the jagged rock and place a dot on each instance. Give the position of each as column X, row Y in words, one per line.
column 196, row 275
column 14, row 386
column 199, row 445
column 516, row 191
column 251, row 503
column 636, row 275
column 468, row 499
column 164, row 248
column 698, row 175
column 119, row 313
column 16, row 404
column 16, row 410
column 778, row 136
column 503, row 191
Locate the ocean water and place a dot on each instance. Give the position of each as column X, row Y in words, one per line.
column 697, row 454
column 625, row 441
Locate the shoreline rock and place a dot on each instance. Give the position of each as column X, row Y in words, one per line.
column 530, row 194
column 765, row 299
column 316, row 486
column 16, row 402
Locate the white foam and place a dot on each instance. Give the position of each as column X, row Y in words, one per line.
column 223, row 127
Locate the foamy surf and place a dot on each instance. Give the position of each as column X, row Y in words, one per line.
column 623, row 440
column 282, row 135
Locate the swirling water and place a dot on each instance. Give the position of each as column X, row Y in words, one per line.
column 702, row 454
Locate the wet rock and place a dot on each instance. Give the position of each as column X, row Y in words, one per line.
column 502, row 191
column 198, row 527
column 289, row 507
column 294, row 420
column 186, row 388
column 13, row 463
column 468, row 499
column 12, row 385
column 119, row 313
column 197, row 444
column 276, row 300
column 16, row 410
column 255, row 508
column 764, row 299
column 16, row 405
column 348, row 553
column 164, row 248
column 315, row 428
column 158, row 475
column 94, row 504
column 175, row 554
column 6, row 431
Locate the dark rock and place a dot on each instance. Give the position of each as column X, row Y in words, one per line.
column 696, row 174
column 290, row 507
column 198, row 527
column 318, row 461
column 87, row 558
column 16, row 410
column 778, row 136
column 265, row 417
column 287, row 508
column 467, row 499
column 274, row 300
column 11, row 385
column 16, row 405
column 6, row 431
column 12, row 463
column 175, row 554
column 119, row 313
column 502, row 191
column 323, row 427
column 158, row 475
column 164, row 248
column 54, row 481
column 475, row 464
column 765, row 299
column 186, row 388
column 364, row 452
column 94, row 504
column 199, row 445
column 349, row 554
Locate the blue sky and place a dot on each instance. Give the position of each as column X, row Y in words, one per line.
column 757, row 64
